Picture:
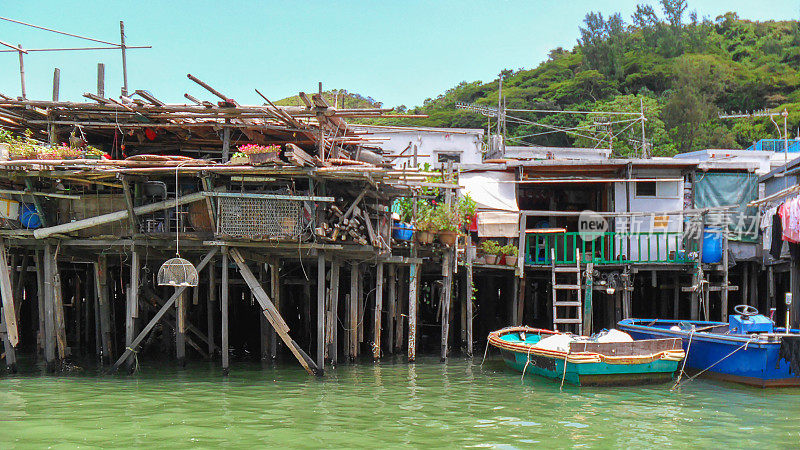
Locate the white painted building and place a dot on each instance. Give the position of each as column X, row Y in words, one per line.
column 433, row 145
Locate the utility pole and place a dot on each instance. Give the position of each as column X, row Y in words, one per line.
column 644, row 142
column 124, row 62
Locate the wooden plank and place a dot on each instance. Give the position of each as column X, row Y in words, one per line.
column 7, row 294
column 157, row 317
column 272, row 314
column 376, row 342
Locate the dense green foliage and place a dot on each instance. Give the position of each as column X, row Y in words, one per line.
column 338, row 97
column 682, row 69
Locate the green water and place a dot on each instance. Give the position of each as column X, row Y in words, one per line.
column 392, row 404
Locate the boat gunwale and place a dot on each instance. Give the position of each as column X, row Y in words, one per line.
column 755, row 339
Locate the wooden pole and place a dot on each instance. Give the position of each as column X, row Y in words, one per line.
column 223, row 304
column 56, row 83
column 353, row 313
column 376, row 342
column 469, row 304
column 333, row 350
column 133, row 303
column 266, row 328
column 180, row 328
column 22, row 71
column 40, row 299
column 50, row 336
column 101, row 80
column 101, row 291
column 226, row 144
column 58, row 311
column 413, row 285
column 275, row 290
column 124, row 59
column 392, row 308
column 676, row 296
column 321, row 311
column 7, row 294
column 133, row 221
column 447, row 269
column 211, row 301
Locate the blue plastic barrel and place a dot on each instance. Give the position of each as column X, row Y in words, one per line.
column 712, row 245
column 29, row 217
column 403, row 231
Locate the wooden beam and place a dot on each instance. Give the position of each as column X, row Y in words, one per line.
column 7, row 294
column 447, row 294
column 275, row 290
column 272, row 314
column 50, row 336
column 469, row 305
column 376, row 344
column 133, row 221
column 171, row 301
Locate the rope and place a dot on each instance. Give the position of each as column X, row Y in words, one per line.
column 526, row 364
column 743, row 346
column 135, row 359
column 685, row 357
column 564, row 375
column 485, row 352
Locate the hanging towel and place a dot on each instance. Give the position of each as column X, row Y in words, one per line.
column 777, row 237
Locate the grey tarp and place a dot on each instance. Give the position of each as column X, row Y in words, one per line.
column 738, row 189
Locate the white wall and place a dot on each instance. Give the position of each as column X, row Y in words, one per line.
column 669, row 197
column 430, row 142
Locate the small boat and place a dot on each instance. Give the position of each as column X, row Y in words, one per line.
column 746, row 350
column 586, row 362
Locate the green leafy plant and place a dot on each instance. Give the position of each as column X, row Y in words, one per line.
column 424, row 220
column 467, row 207
column 490, row 247
column 509, row 250
column 447, row 218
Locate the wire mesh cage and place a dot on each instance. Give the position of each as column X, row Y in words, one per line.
column 178, row 272
column 259, row 218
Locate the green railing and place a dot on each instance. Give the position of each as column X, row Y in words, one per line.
column 657, row 247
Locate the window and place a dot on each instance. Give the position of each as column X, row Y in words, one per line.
column 444, row 157
column 645, row 188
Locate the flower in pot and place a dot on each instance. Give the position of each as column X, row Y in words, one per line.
column 467, row 207
column 256, row 153
column 64, row 151
column 510, row 252
column 491, row 250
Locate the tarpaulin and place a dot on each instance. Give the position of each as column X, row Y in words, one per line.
column 736, row 189
column 498, row 224
column 491, row 190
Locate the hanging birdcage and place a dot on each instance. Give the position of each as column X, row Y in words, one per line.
column 178, row 272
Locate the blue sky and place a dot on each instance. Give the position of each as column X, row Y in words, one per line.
column 398, row 52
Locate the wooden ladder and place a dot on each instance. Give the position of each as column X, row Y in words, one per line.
column 577, row 288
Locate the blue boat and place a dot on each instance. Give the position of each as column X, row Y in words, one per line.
column 589, row 363
column 746, row 350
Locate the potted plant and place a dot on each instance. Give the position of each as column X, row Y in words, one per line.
column 6, row 139
column 491, row 250
column 424, row 224
column 260, row 154
column 93, row 153
column 467, row 207
column 510, row 253
column 64, row 151
column 447, row 221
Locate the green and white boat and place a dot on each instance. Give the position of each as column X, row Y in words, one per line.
column 586, row 362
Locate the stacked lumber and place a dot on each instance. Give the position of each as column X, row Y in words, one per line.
column 353, row 224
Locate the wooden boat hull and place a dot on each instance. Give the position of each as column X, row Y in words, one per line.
column 736, row 358
column 634, row 363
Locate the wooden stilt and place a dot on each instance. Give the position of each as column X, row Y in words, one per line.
column 676, row 296
column 626, row 293
column 745, row 283
column 361, row 302
column 101, row 293
column 266, row 328
column 180, row 328
column 771, row 287
column 753, row 285
column 413, row 286
column 9, row 311
column 58, row 311
column 211, row 302
column 333, row 349
column 352, row 324
column 399, row 318
column 275, row 290
column 132, row 311
column 447, row 291
column 321, row 311
column 376, row 341
column 40, row 299
column 468, row 302
column 49, row 327
column 223, row 305
column 391, row 309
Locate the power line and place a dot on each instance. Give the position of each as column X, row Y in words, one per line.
column 59, row 32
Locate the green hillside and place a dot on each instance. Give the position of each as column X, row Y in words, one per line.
column 345, row 100
column 684, row 69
